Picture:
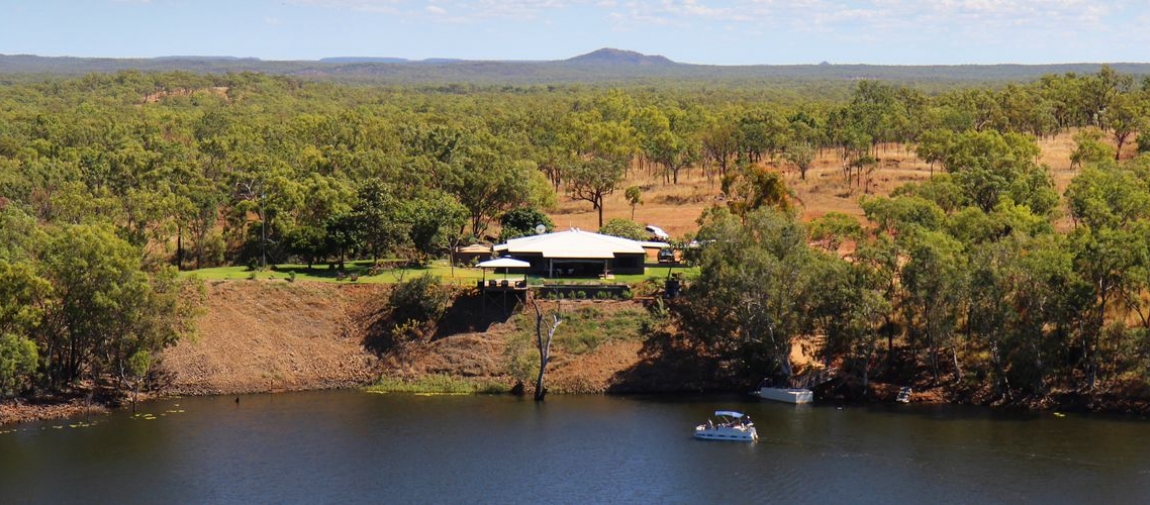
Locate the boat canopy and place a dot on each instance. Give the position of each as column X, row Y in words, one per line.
column 729, row 413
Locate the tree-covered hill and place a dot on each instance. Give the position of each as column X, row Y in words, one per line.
column 602, row 66
column 110, row 181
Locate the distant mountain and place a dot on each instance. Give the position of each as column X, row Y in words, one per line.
column 609, row 56
column 605, row 66
column 203, row 58
column 363, row 59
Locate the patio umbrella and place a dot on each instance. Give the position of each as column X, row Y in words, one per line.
column 504, row 263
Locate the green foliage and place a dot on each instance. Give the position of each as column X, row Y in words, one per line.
column 989, row 166
column 584, row 330
column 754, row 283
column 634, row 197
column 754, row 187
column 593, row 179
column 108, row 309
column 421, row 299
column 438, row 384
column 900, row 215
column 18, row 360
column 522, row 221
column 1089, row 148
column 833, row 228
column 624, row 228
column 108, row 177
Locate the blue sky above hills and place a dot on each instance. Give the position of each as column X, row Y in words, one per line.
column 730, row 32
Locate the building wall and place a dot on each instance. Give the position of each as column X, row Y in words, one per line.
column 575, row 267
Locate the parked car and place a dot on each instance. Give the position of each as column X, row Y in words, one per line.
column 657, row 233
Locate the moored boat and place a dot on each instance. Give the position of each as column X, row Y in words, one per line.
column 786, row 395
column 731, row 426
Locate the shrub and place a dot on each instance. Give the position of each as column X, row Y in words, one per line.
column 291, row 277
column 17, row 363
column 419, row 299
column 522, row 222
column 624, row 228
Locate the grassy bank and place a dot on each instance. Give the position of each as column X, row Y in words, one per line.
column 439, row 384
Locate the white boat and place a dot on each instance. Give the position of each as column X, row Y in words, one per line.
column 786, row 395
column 904, row 395
column 731, row 426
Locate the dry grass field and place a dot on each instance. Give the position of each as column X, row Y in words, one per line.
column 675, row 208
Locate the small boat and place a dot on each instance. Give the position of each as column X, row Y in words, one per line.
column 903, row 395
column 732, row 427
column 786, row 395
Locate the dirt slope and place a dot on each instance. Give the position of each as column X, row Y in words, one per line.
column 259, row 336
column 262, row 336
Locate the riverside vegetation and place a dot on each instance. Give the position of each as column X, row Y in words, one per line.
column 983, row 277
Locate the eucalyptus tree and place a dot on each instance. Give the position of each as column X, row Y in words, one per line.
column 593, row 179
column 719, row 140
column 625, row 228
column 523, row 221
column 634, row 196
column 376, row 218
column 1089, row 149
column 1098, row 92
column 268, row 189
column 850, row 307
column 488, row 181
column 990, row 166
column 754, row 292
column 1126, row 115
column 434, row 222
column 106, row 311
column 934, row 280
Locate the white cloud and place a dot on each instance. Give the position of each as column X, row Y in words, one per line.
column 380, row 6
column 982, row 19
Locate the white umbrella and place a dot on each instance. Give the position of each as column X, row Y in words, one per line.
column 504, row 263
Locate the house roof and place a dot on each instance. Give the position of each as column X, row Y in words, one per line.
column 474, row 249
column 573, row 243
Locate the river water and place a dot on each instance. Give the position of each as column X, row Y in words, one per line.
column 356, row 447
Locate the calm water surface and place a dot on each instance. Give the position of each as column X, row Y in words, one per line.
column 355, row 447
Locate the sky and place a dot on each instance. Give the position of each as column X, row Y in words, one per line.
column 716, row 32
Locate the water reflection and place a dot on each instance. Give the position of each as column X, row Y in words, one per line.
column 350, row 446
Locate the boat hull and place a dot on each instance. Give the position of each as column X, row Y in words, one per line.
column 726, row 434
column 786, row 395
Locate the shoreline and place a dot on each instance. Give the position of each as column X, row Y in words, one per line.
column 22, row 411
column 18, row 412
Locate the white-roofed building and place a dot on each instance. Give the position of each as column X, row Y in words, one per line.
column 579, row 253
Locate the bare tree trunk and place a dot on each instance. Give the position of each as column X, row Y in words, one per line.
column 544, row 347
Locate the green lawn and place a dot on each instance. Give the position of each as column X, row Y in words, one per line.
column 438, row 268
